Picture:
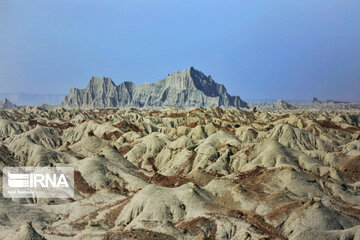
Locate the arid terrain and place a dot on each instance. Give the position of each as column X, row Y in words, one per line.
column 202, row 173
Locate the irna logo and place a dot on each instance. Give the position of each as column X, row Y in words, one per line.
column 38, row 182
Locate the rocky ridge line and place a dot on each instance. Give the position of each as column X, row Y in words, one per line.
column 189, row 88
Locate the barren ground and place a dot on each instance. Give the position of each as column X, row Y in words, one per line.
column 187, row 174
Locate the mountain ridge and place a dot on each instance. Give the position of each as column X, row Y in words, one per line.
column 6, row 104
column 189, row 88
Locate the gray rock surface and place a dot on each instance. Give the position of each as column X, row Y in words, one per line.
column 6, row 104
column 316, row 105
column 316, row 101
column 282, row 105
column 189, row 88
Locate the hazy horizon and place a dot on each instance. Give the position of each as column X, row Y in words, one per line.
column 278, row 50
column 24, row 98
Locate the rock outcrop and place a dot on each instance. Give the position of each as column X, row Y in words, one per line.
column 189, row 88
column 282, row 105
column 316, row 101
column 6, row 104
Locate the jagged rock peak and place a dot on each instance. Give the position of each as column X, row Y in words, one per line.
column 97, row 82
column 195, row 79
column 282, row 105
column 315, row 100
column 4, row 100
column 6, row 104
column 189, row 88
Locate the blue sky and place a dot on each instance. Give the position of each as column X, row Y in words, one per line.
column 257, row 49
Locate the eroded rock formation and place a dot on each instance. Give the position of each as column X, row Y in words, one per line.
column 203, row 173
column 189, row 88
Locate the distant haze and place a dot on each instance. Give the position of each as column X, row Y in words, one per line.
column 283, row 49
column 22, row 99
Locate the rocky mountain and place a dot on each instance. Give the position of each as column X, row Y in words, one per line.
column 282, row 105
column 189, row 88
column 329, row 101
column 6, row 104
column 316, row 101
